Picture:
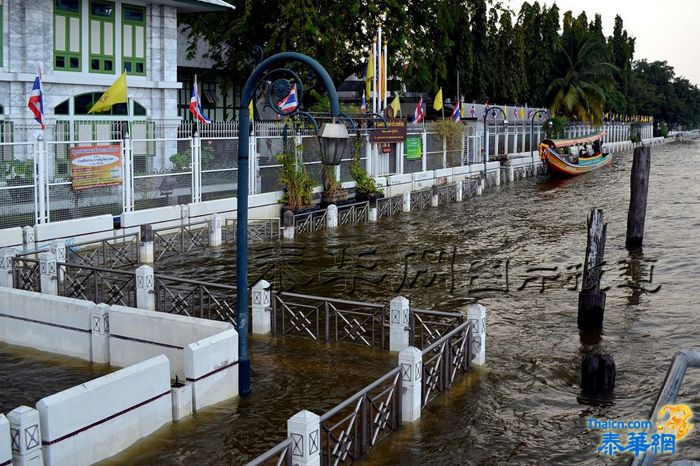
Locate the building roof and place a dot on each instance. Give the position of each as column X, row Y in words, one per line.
column 194, row 6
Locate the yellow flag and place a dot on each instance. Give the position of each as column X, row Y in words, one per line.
column 370, row 74
column 396, row 105
column 251, row 113
column 116, row 94
column 437, row 103
column 522, row 113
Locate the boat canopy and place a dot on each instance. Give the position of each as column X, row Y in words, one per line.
column 576, row 141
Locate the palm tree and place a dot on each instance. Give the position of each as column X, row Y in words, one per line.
column 582, row 77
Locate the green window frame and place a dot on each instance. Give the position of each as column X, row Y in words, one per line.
column 134, row 39
column 67, row 45
column 101, row 37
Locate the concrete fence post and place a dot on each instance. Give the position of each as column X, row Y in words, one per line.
column 260, row 299
column 459, row 195
column 511, row 174
column 399, row 326
column 99, row 335
column 6, row 278
column 373, row 213
column 303, row 428
column 411, row 363
column 498, row 176
column 145, row 288
column 480, row 186
column 5, row 443
column 58, row 249
column 25, row 437
column 435, row 199
column 28, row 238
column 48, row 277
column 476, row 313
column 332, row 216
column 215, row 227
column 146, row 244
column 406, row 202
column 288, row 225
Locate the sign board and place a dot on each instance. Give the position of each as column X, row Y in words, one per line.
column 414, row 148
column 386, row 149
column 395, row 131
column 96, row 166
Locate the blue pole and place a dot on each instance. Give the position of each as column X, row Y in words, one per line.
column 242, row 198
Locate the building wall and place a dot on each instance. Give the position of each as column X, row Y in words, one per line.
column 28, row 43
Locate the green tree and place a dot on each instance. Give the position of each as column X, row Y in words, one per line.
column 477, row 85
column 510, row 60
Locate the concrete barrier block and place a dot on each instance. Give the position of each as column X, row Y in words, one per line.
column 137, row 334
column 207, row 208
column 44, row 322
column 5, row 442
column 71, row 228
column 102, row 417
column 25, row 436
column 11, row 237
column 443, row 172
column 153, row 216
column 211, row 367
column 424, row 176
column 182, row 401
column 399, row 179
column 99, row 337
column 463, row 170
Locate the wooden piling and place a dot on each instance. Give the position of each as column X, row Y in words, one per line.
column 639, row 189
column 598, row 374
column 591, row 301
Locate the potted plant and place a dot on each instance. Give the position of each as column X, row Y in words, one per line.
column 333, row 192
column 365, row 186
column 298, row 186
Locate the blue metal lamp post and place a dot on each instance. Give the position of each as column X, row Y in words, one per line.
column 532, row 129
column 334, row 140
column 491, row 111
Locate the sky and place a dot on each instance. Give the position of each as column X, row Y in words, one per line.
column 666, row 30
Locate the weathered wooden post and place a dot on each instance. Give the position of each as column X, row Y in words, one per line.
column 639, row 189
column 597, row 374
column 591, row 301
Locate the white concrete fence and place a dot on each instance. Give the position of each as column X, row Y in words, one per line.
column 100, row 418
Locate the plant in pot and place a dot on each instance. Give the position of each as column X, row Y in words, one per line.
column 333, row 192
column 365, row 186
column 298, row 186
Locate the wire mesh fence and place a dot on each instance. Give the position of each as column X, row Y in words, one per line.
column 17, row 185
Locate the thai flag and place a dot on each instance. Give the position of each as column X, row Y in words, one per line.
column 472, row 112
column 418, row 113
column 515, row 113
column 363, row 106
column 530, row 112
column 289, row 103
column 456, row 115
column 196, row 105
column 36, row 102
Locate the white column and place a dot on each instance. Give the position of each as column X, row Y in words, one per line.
column 128, row 180
column 476, row 313
column 332, row 216
column 303, row 428
column 48, row 278
column 398, row 331
column 260, row 300
column 511, row 174
column 435, row 199
column 459, row 196
column 145, row 288
column 6, row 278
column 28, row 238
column 372, row 214
column 215, row 224
column 368, row 156
column 58, row 249
column 99, row 336
column 146, row 244
column 495, row 139
column 288, row 225
column 444, row 152
column 40, row 180
column 406, row 202
column 25, row 435
column 424, row 155
column 411, row 362
column 515, row 138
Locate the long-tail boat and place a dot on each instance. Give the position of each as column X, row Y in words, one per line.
column 570, row 157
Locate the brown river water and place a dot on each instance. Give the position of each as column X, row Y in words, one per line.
column 525, row 406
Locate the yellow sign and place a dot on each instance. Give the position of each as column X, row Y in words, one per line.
column 96, row 166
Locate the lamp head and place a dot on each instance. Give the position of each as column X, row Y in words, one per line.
column 505, row 121
column 332, row 138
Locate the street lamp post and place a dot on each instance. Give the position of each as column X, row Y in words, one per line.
column 333, row 135
column 532, row 130
column 491, row 110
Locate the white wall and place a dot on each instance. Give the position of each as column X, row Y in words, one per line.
column 213, row 378
column 102, row 417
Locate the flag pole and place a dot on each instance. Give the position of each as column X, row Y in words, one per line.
column 386, row 75
column 374, row 75
column 196, row 96
column 379, row 69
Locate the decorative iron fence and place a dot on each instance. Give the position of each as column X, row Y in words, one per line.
column 420, row 200
column 389, row 206
column 97, row 284
column 119, row 251
column 447, row 194
column 258, row 230
column 310, row 221
column 444, row 359
column 353, row 213
column 278, row 455
column 330, row 320
column 182, row 239
column 195, row 299
column 353, row 427
column 469, row 187
column 25, row 273
column 427, row 327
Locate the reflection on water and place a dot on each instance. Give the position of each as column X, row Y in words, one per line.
column 525, row 239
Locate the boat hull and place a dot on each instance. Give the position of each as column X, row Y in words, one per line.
column 559, row 167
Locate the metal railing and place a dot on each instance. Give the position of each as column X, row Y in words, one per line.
column 444, row 359
column 97, row 284
column 310, row 221
column 427, row 326
column 389, row 206
column 420, row 200
column 25, row 273
column 193, row 298
column 353, row 213
column 469, row 187
column 181, row 239
column 447, row 194
column 258, row 230
column 119, row 251
column 330, row 320
column 317, row 220
column 278, row 455
column 354, row 426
